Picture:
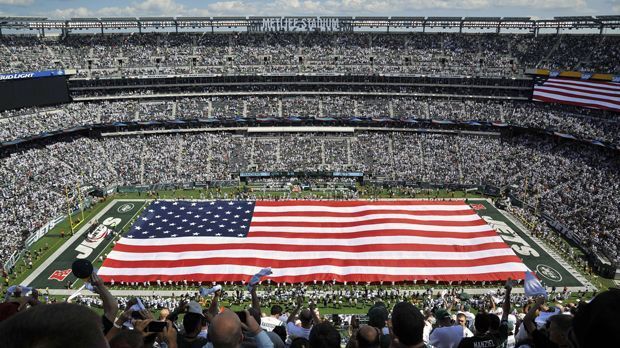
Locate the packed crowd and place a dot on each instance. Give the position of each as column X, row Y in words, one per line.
column 451, row 54
column 582, row 123
column 430, row 318
column 576, row 184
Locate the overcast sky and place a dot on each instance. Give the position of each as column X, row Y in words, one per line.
column 497, row 8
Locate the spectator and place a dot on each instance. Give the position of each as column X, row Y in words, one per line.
column 407, row 325
column 55, row 326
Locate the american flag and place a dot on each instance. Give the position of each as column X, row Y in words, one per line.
column 593, row 94
column 305, row 241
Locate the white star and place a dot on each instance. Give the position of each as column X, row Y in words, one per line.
column 201, row 208
column 145, row 232
column 201, row 226
column 170, row 213
column 195, row 233
column 205, row 219
column 216, row 216
column 196, row 216
column 208, row 212
column 129, row 236
column 173, row 235
column 175, row 203
column 221, row 225
column 151, row 211
column 184, row 220
column 180, row 227
column 157, row 216
column 209, row 229
column 172, row 224
column 231, row 230
column 224, row 219
column 245, row 219
column 177, row 216
column 156, row 202
column 163, row 207
column 220, row 208
column 138, row 228
column 234, row 222
column 151, row 223
column 212, row 203
column 187, row 231
column 239, row 208
column 249, row 203
column 193, row 204
column 236, row 216
column 227, row 213
column 166, row 232
column 240, row 235
column 182, row 208
column 164, row 220
column 192, row 223
column 151, row 236
column 242, row 226
column 158, row 228
column 145, row 219
column 247, row 211
column 189, row 212
column 231, row 203
column 218, row 234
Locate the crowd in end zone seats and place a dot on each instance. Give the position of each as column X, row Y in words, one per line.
column 449, row 54
column 576, row 184
column 580, row 122
column 432, row 318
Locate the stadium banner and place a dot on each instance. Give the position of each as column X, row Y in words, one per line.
column 299, row 174
column 303, row 24
column 591, row 94
column 32, row 75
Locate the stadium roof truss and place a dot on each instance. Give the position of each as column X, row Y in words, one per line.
column 334, row 23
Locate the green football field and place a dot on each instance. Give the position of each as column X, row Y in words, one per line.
column 54, row 272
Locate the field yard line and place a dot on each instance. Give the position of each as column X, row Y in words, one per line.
column 64, row 247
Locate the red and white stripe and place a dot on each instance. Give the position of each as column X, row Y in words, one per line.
column 304, row 241
column 593, row 94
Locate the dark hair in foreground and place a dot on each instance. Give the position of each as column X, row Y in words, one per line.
column 62, row 325
column 407, row 323
column 324, row 335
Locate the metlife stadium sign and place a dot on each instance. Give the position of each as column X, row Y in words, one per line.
column 299, row 24
column 31, row 75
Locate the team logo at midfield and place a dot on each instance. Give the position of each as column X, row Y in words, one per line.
column 549, row 273
column 477, row 207
column 125, row 208
column 60, row 275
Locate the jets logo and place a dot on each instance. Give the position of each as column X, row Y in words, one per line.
column 125, row 208
column 549, row 273
column 60, row 275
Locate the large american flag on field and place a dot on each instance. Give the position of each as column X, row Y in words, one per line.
column 592, row 94
column 304, row 241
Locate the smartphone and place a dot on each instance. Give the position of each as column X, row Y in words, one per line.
column 241, row 315
column 156, row 326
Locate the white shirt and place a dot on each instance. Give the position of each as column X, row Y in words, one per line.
column 269, row 323
column 449, row 336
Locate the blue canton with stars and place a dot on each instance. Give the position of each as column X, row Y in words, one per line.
column 172, row 219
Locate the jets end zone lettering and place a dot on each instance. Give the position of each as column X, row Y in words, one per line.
column 520, row 246
column 95, row 237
